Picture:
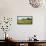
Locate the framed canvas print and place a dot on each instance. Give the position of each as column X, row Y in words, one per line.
column 24, row 19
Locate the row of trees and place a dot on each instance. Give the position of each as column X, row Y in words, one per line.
column 27, row 18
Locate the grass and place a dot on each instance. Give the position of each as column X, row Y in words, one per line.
column 24, row 21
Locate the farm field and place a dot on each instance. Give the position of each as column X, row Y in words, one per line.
column 24, row 21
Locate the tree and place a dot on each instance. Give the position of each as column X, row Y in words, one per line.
column 6, row 25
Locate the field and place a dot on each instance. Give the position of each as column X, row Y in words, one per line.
column 24, row 21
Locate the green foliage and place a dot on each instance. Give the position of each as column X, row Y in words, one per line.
column 24, row 21
column 28, row 18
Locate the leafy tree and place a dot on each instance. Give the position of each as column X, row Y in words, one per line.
column 29, row 19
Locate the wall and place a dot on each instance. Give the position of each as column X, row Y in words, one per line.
column 14, row 8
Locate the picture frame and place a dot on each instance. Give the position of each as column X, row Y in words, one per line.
column 24, row 20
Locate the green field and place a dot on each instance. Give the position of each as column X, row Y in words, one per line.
column 24, row 21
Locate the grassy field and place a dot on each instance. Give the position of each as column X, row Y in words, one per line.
column 24, row 21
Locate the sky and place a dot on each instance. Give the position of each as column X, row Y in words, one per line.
column 20, row 17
